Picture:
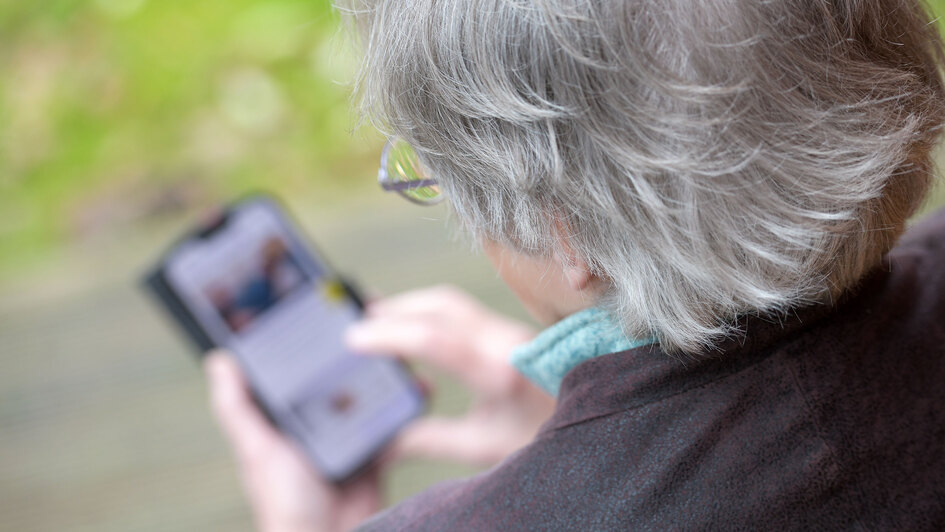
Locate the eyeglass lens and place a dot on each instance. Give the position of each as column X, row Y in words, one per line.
column 404, row 166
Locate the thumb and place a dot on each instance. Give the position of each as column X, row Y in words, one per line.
column 247, row 430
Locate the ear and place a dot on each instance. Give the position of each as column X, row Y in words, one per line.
column 575, row 269
column 578, row 275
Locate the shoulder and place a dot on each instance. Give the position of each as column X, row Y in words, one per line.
column 871, row 376
column 921, row 250
column 926, row 234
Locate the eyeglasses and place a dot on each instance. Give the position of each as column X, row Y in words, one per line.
column 402, row 172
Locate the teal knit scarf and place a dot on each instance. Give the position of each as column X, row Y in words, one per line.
column 581, row 336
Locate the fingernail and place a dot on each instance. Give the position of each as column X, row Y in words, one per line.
column 214, row 365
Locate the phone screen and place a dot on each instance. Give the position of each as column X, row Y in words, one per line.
column 258, row 291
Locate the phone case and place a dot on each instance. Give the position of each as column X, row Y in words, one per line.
column 156, row 284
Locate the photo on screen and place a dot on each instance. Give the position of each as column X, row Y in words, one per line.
column 266, row 276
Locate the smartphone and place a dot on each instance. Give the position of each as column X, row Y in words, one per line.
column 248, row 282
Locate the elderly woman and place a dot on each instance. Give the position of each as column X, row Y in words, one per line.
column 702, row 200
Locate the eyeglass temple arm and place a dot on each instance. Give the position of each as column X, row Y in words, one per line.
column 388, row 184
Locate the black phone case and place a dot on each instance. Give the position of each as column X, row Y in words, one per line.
column 157, row 285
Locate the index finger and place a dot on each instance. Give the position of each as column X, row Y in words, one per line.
column 426, row 301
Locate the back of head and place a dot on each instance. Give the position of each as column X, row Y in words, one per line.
column 707, row 159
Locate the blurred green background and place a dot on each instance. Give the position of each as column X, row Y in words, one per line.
column 115, row 111
column 120, row 122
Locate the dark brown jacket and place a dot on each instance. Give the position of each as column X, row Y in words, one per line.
column 831, row 419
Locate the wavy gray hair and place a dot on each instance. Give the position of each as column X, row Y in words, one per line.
column 708, row 159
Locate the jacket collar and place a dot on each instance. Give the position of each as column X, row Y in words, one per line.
column 556, row 350
column 635, row 377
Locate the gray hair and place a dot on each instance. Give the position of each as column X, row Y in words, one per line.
column 708, row 159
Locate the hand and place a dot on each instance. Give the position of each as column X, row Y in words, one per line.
column 285, row 493
column 452, row 331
